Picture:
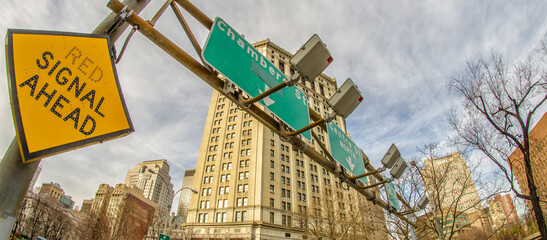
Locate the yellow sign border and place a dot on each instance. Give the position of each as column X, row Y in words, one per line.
column 28, row 156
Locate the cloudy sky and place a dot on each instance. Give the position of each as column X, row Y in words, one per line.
column 399, row 53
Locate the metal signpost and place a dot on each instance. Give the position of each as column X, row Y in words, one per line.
column 230, row 54
column 64, row 91
column 345, row 151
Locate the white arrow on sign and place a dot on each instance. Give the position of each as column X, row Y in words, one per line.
column 267, row 100
column 351, row 165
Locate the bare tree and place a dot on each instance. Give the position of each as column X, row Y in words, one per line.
column 501, row 101
column 329, row 219
column 41, row 214
column 410, row 188
column 452, row 186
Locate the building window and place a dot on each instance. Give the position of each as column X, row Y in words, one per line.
column 272, row 202
column 281, row 66
column 202, row 217
column 272, row 217
column 272, row 189
column 221, row 217
column 222, row 203
column 241, row 216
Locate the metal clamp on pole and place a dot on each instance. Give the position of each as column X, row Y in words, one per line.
column 264, row 94
column 288, row 83
column 408, row 212
column 363, row 175
column 376, row 184
column 314, row 124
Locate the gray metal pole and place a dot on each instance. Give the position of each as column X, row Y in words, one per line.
column 15, row 178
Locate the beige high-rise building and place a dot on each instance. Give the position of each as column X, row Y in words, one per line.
column 253, row 185
column 153, row 178
column 449, row 179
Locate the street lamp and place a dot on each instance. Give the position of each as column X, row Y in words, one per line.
column 194, row 191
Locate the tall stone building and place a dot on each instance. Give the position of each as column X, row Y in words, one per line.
column 153, row 178
column 538, row 152
column 253, row 185
column 186, row 193
column 102, row 198
column 448, row 178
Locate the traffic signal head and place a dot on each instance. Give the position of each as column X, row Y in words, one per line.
column 422, row 203
column 391, row 156
column 346, row 98
column 399, row 168
column 312, row 58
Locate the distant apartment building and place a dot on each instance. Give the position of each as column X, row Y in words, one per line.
column 125, row 207
column 67, row 201
column 538, row 152
column 186, row 193
column 53, row 189
column 153, row 178
column 86, row 207
column 502, row 211
column 254, row 185
column 447, row 223
column 56, row 192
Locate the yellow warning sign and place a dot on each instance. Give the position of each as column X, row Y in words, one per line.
column 64, row 91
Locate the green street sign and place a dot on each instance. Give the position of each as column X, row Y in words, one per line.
column 392, row 196
column 345, row 151
column 163, row 237
column 230, row 54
